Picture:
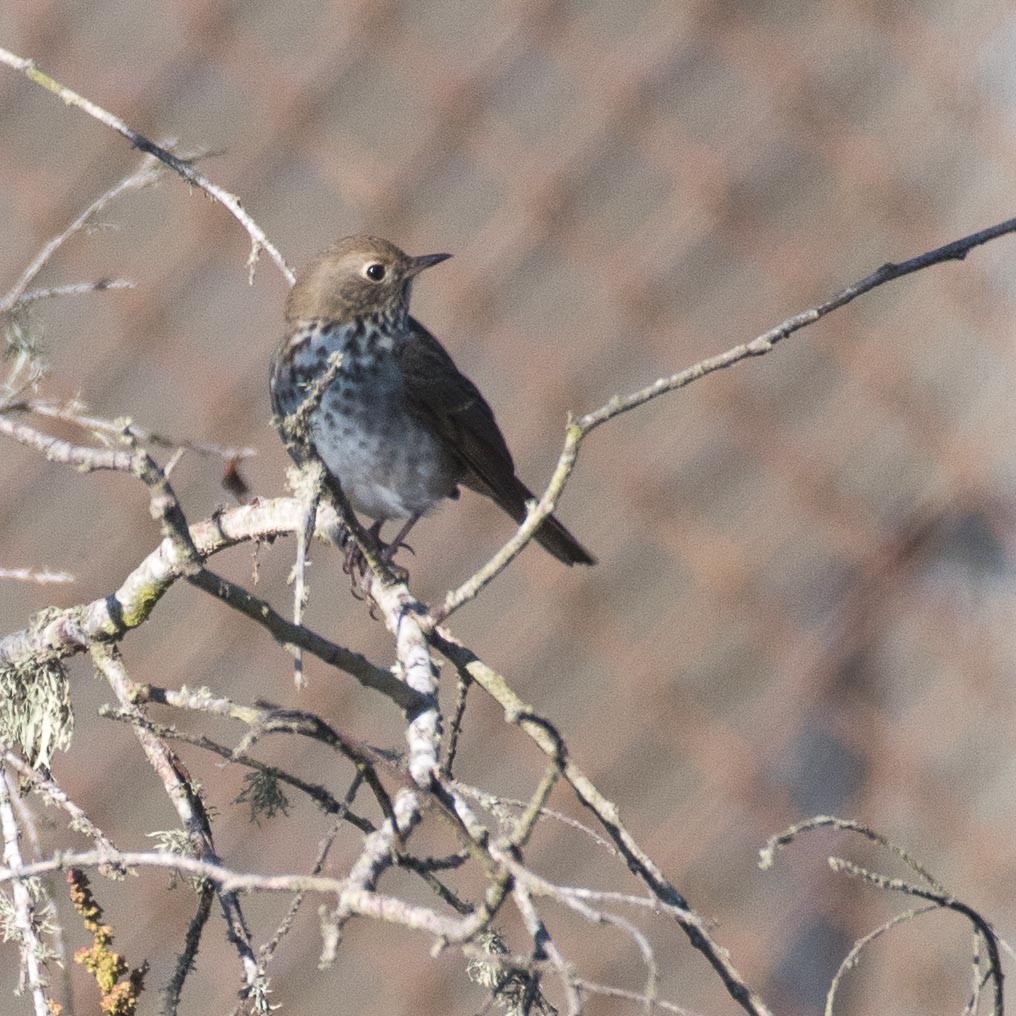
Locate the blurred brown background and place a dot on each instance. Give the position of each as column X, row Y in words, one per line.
column 806, row 595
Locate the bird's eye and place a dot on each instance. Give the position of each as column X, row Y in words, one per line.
column 375, row 272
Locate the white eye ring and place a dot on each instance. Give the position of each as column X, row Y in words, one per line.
column 375, row 271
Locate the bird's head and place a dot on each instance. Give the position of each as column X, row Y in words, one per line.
column 358, row 276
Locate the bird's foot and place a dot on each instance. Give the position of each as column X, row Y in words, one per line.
column 389, row 552
column 354, row 563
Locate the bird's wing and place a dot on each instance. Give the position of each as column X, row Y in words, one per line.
column 441, row 396
column 453, row 409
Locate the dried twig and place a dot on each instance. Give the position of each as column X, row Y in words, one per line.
column 74, row 289
column 110, row 617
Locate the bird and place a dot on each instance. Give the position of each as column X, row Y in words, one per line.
column 398, row 426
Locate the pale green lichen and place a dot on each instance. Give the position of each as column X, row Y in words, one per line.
column 35, row 709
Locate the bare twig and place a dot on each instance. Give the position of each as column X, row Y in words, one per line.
column 52, row 793
column 109, row 618
column 538, row 729
column 263, row 720
column 49, row 916
column 544, row 946
column 850, row 960
column 259, row 241
column 935, row 893
column 609, row 991
column 309, row 489
column 535, row 885
column 945, row 901
column 57, row 450
column 73, row 413
column 185, row 961
column 317, row 793
column 501, row 806
column 267, row 951
column 458, row 716
column 767, row 854
column 225, row 878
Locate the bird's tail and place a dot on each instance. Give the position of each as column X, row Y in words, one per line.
column 551, row 535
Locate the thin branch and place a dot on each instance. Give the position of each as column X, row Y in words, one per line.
column 323, row 798
column 538, row 729
column 608, row 991
column 376, row 854
column 947, row 902
column 259, row 241
column 225, row 878
column 188, row 804
column 536, row 885
column 145, row 175
column 852, row 957
column 267, row 952
column 366, row 903
column 42, row 578
column 73, row 413
column 65, row 452
column 52, row 793
column 767, row 854
column 309, row 489
column 49, row 916
column 458, row 717
column 265, row 720
column 74, row 289
column 500, row 806
column 578, row 430
column 363, row 902
column 544, row 946
column 185, row 961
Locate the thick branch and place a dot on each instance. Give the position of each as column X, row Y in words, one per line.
column 62, row 633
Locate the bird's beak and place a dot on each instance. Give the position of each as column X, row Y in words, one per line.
column 417, row 264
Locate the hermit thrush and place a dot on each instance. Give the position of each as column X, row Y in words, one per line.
column 399, row 427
